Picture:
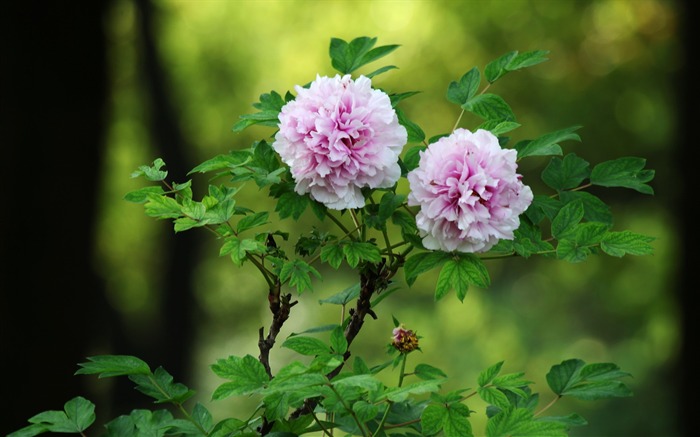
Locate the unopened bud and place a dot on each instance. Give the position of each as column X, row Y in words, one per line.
column 404, row 340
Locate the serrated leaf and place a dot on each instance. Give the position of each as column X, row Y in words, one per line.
column 162, row 207
column 238, row 249
column 77, row 415
column 153, row 172
column 291, row 205
column 332, row 254
column 493, row 396
column 547, row 144
column 570, row 251
column 625, row 172
column 626, row 242
column 298, row 274
column 356, row 251
column 521, row 422
column 247, row 375
column 458, row 273
column 113, row 365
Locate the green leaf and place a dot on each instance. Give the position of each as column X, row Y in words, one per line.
column 162, row 207
column 160, row 386
column 520, row 422
column 570, row 251
column 333, row 254
column 422, row 262
column 141, row 195
column 339, row 344
column 451, row 419
column 547, row 144
column 544, row 206
column 153, row 172
column 247, row 375
column 343, row 297
column 461, row 92
column 626, row 242
column 489, row 107
column 77, row 415
column 433, row 418
column 493, row 396
column 458, row 273
column 348, row 57
column 486, row 376
column 567, row 173
column 113, row 365
column 411, row 158
column 414, row 133
column 399, row 394
column 625, row 172
column 513, row 61
column 297, row 273
column 291, row 204
column 364, row 411
column 270, row 106
column 306, row 345
column 356, row 251
column 238, row 249
column 426, row 371
column 498, row 127
column 594, row 209
column 569, row 216
column 252, row 221
column 233, row 159
column 587, row 382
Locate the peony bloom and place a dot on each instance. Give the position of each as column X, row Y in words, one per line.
column 469, row 193
column 339, row 136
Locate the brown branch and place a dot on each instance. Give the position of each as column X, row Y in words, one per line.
column 373, row 279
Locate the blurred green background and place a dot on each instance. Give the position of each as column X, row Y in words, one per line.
column 612, row 69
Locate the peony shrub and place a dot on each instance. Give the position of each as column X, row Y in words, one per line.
column 339, row 148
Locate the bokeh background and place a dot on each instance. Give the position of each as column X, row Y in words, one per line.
column 95, row 89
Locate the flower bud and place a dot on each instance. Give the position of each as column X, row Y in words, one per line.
column 404, row 340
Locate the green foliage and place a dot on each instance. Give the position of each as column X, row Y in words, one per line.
column 374, row 242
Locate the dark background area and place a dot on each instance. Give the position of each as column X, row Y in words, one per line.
column 53, row 97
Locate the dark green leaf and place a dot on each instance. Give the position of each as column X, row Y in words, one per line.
column 426, row 371
column 460, row 92
column 623, row 172
column 344, row 297
column 141, row 195
column 594, row 209
column 567, row 173
column 414, row 132
column 297, row 273
column 113, row 365
column 547, row 144
column 490, row 107
column 160, row 386
column 422, row 262
column 356, row 251
column 306, row 345
column 568, row 216
column 247, row 375
column 332, row 254
column 626, row 242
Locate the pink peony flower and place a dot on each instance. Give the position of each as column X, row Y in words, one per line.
column 339, row 136
column 469, row 193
